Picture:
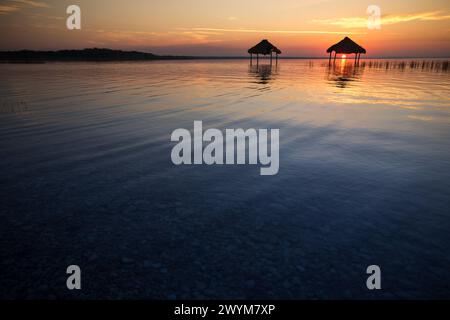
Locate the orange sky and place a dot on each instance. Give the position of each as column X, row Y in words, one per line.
column 224, row 28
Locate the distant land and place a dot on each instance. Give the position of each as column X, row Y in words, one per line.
column 91, row 54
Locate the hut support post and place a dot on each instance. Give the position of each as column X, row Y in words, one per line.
column 257, row 59
column 334, row 61
column 251, row 58
column 329, row 60
column 270, row 58
column 276, row 59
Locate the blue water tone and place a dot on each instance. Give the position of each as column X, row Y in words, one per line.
column 87, row 179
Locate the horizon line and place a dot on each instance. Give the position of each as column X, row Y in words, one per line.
column 231, row 56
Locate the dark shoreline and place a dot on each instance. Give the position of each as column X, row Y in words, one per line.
column 96, row 55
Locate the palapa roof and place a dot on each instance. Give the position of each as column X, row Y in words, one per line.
column 346, row 45
column 264, row 47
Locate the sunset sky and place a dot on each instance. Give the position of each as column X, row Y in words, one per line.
column 228, row 28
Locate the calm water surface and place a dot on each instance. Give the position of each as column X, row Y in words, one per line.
column 86, row 179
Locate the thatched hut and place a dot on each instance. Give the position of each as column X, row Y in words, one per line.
column 264, row 48
column 346, row 46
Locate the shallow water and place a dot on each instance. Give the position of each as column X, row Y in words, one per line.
column 87, row 179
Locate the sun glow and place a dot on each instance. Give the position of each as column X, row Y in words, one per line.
column 344, row 57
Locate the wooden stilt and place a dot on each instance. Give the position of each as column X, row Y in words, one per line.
column 257, row 59
column 270, row 58
column 334, row 61
column 329, row 60
column 251, row 58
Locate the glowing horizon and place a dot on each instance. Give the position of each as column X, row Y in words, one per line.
column 228, row 28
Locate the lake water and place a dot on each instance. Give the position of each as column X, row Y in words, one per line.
column 87, row 179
